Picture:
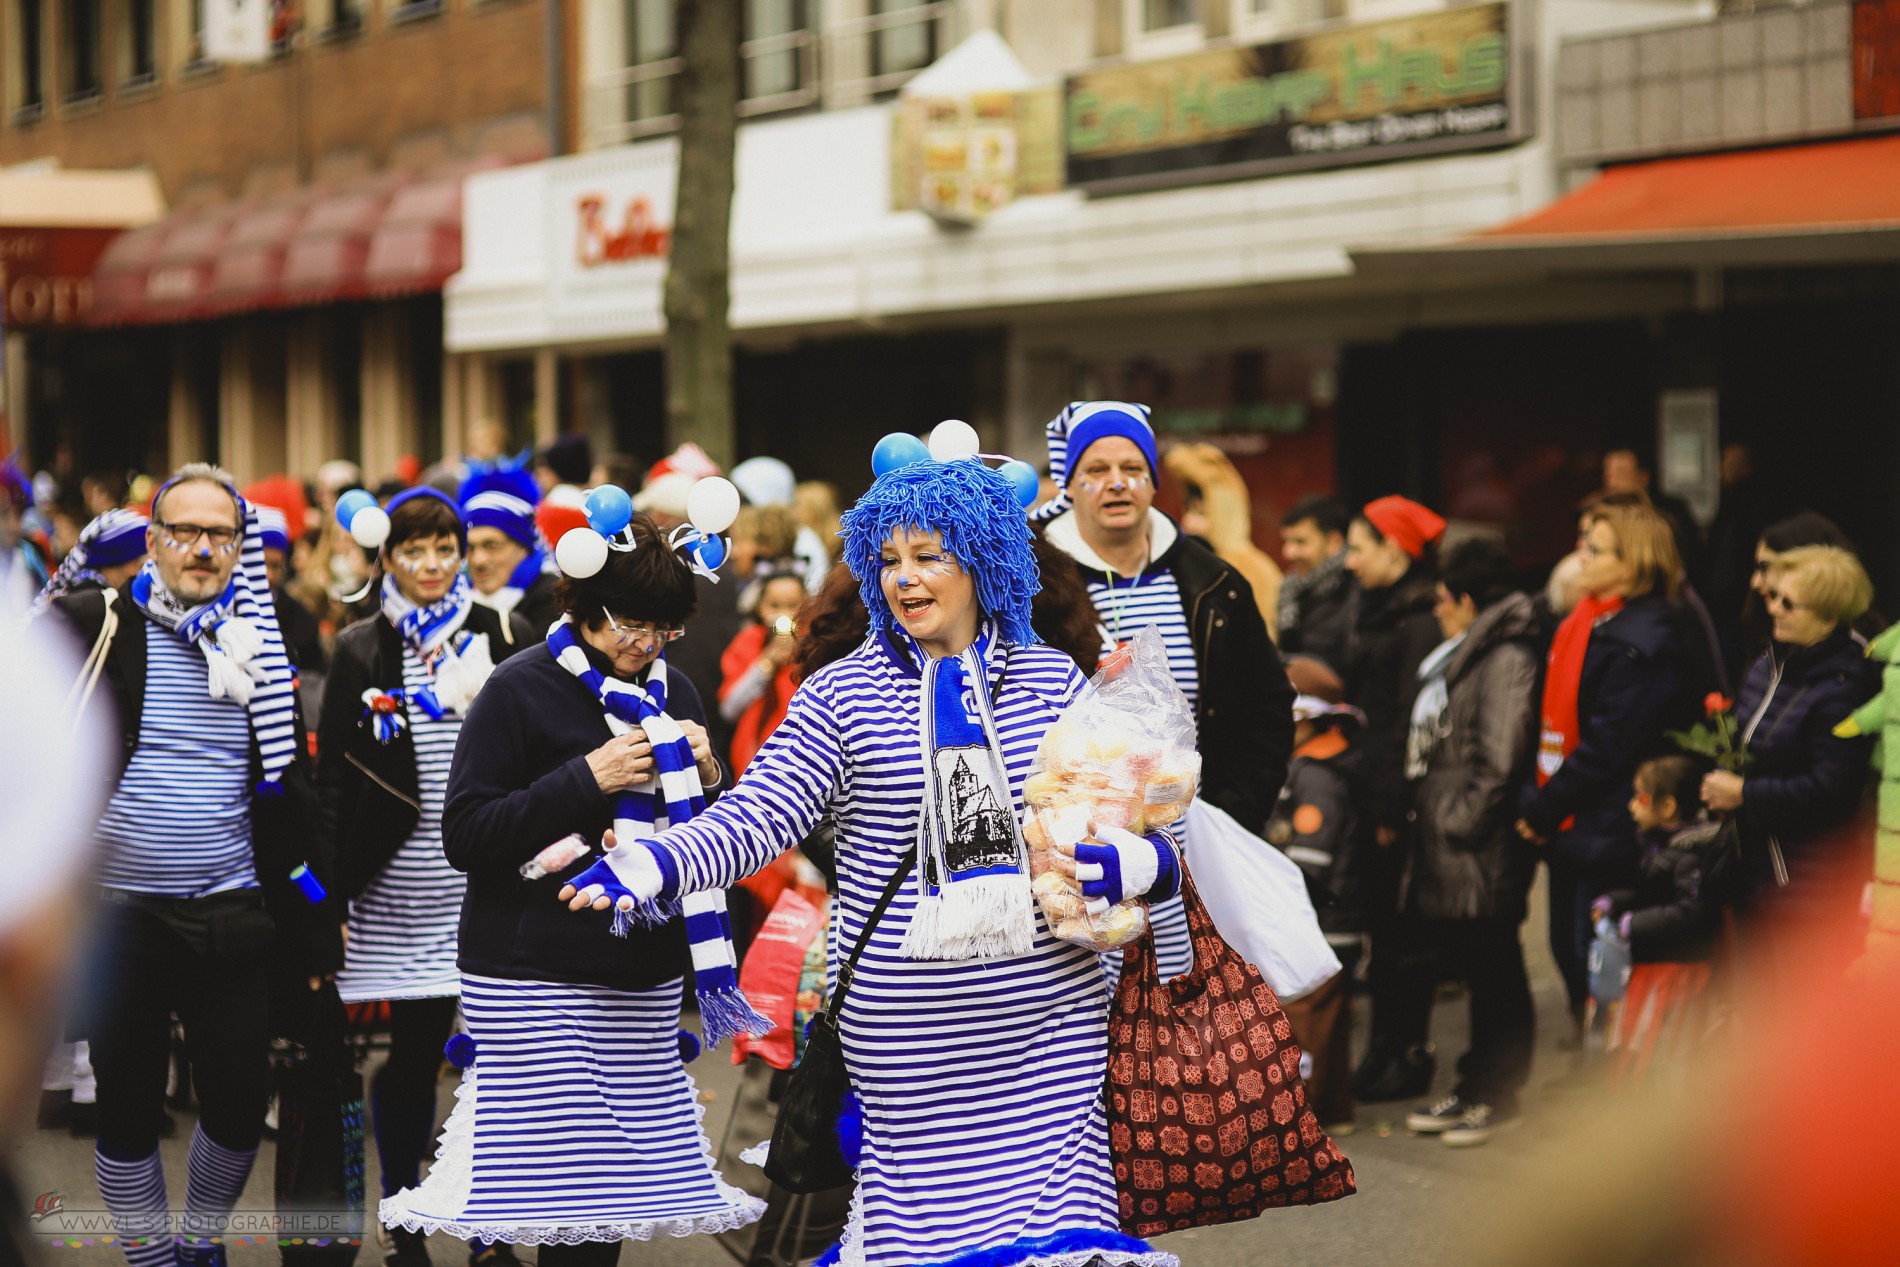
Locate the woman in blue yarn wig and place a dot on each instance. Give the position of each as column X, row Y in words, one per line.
column 975, row 1039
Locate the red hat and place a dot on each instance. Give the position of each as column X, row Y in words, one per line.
column 1405, row 523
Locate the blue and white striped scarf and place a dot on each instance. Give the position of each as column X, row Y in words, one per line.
column 458, row 663
column 673, row 796
column 973, row 895
column 242, row 646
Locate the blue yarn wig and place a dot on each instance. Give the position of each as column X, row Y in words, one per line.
column 975, row 511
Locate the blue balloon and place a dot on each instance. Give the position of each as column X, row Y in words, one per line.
column 897, row 450
column 609, row 510
column 1023, row 478
column 351, row 502
column 711, row 552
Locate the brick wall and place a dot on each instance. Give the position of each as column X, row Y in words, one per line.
column 467, row 80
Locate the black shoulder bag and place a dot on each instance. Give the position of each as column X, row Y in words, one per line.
column 805, row 1155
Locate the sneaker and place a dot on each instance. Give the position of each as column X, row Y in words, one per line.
column 1481, row 1122
column 1403, row 1077
column 403, row 1248
column 493, row 1254
column 1439, row 1117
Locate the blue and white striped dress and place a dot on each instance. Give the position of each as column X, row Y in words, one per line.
column 577, row 1122
column 981, row 1081
column 403, row 926
column 179, row 823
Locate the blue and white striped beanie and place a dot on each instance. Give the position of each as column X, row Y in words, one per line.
column 274, row 528
column 501, row 496
column 1080, row 424
column 114, row 538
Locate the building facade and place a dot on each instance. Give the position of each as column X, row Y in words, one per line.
column 983, row 210
column 287, row 307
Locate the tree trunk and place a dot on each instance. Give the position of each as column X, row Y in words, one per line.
column 698, row 273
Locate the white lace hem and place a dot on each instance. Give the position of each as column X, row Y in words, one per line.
column 1083, row 1257
column 450, row 1183
column 756, row 1155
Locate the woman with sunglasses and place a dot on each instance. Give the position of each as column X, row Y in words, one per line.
column 576, row 1125
column 1803, row 782
column 975, row 1039
column 394, row 704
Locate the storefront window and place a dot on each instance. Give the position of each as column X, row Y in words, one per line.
column 904, row 45
column 1158, row 15
column 652, row 44
column 777, row 50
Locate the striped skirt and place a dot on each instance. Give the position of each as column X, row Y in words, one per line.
column 577, row 1122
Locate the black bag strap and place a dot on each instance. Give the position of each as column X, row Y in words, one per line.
column 884, row 903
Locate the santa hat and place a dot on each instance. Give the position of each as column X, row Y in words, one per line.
column 1405, row 523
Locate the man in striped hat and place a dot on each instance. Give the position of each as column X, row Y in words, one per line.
column 1141, row 569
column 206, row 824
column 508, row 563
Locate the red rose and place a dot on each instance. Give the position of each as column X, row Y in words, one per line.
column 1715, row 703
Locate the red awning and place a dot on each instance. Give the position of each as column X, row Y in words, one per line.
column 325, row 262
column 399, row 235
column 249, row 269
column 1828, row 202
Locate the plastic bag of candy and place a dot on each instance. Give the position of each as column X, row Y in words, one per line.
column 1122, row 755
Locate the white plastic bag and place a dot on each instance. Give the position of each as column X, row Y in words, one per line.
column 1257, row 897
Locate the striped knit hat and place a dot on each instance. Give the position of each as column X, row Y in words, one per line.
column 114, row 538
column 1080, row 424
column 501, row 496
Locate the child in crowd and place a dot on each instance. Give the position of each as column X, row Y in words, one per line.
column 757, row 666
column 1671, row 922
column 1316, row 825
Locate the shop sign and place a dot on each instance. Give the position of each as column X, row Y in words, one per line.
column 961, row 157
column 638, row 235
column 1425, row 84
column 46, row 275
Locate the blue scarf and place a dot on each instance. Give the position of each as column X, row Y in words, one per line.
column 973, row 896
column 458, row 662
column 673, row 797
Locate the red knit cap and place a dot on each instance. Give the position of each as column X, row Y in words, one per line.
column 1405, row 523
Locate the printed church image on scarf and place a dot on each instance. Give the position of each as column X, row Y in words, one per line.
column 980, row 830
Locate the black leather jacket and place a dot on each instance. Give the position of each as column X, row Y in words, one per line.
column 369, row 791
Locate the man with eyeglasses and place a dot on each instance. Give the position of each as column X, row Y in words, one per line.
column 209, row 818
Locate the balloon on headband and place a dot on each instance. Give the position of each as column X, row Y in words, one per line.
column 365, row 521
column 609, row 510
column 1023, row 478
column 897, row 450
column 580, row 553
column 952, row 439
column 712, row 504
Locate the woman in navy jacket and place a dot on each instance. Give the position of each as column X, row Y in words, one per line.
column 1803, row 781
column 1637, row 680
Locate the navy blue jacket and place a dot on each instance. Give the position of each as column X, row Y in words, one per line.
column 1803, row 781
column 520, row 782
column 1682, row 887
column 1638, row 681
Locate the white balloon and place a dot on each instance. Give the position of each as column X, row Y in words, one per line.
column 580, row 553
column 712, row 504
column 952, row 439
column 370, row 527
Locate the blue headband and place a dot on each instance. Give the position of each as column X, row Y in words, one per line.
column 975, row 511
column 423, row 490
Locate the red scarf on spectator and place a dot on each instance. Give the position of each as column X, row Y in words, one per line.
column 1563, row 678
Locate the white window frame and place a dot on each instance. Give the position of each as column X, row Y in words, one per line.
column 1167, row 41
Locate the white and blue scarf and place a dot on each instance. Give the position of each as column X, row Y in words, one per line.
column 673, row 796
column 458, row 662
column 1428, row 707
column 243, row 649
column 973, row 896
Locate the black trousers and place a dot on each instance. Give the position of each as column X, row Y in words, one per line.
column 1572, row 890
column 1487, row 955
column 207, row 959
column 402, row 1095
column 1404, row 979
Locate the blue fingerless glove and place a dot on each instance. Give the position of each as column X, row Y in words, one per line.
column 1119, row 865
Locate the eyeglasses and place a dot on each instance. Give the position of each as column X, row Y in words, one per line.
column 651, row 634
column 187, row 535
column 1778, row 601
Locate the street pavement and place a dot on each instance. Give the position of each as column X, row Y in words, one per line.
column 1417, row 1204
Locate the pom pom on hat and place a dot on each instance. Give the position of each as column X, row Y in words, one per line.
column 1406, row 524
